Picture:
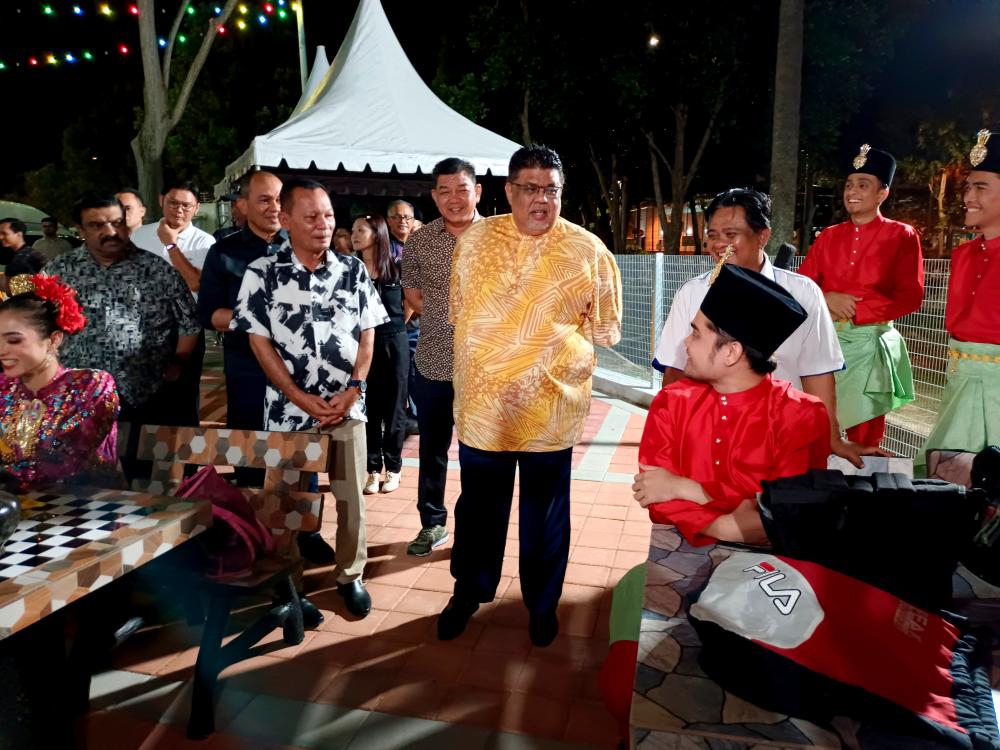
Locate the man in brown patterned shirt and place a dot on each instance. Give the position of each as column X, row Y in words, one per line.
column 426, row 282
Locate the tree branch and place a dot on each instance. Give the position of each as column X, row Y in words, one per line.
column 153, row 89
column 199, row 61
column 169, row 54
column 656, row 149
column 716, row 109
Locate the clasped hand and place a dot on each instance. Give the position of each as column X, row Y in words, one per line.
column 327, row 411
column 654, row 484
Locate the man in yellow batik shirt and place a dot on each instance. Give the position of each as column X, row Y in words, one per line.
column 531, row 295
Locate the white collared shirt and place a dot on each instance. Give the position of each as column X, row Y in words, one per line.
column 812, row 349
column 193, row 243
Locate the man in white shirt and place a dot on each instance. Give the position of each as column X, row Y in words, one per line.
column 740, row 219
column 174, row 238
column 179, row 242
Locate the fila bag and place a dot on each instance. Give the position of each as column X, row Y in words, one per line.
column 799, row 639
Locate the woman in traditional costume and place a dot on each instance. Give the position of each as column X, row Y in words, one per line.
column 56, row 424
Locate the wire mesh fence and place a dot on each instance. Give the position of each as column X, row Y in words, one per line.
column 649, row 283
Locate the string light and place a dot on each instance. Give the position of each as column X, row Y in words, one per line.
column 106, row 10
column 32, row 61
column 162, row 42
column 47, row 10
column 77, row 10
column 263, row 19
column 87, row 55
column 51, row 60
column 133, row 9
column 190, row 10
column 123, row 49
column 68, row 57
column 244, row 10
column 241, row 24
column 218, row 10
column 3, row 65
column 222, row 29
column 182, row 38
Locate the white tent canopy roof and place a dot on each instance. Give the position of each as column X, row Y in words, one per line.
column 350, row 121
column 319, row 68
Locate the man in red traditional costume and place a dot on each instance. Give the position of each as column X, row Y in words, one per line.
column 871, row 271
column 713, row 437
column 969, row 419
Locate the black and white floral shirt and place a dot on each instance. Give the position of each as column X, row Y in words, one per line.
column 135, row 309
column 314, row 320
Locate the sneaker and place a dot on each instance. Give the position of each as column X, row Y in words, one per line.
column 391, row 481
column 427, row 539
column 371, row 486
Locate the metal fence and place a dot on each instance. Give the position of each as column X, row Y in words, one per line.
column 649, row 283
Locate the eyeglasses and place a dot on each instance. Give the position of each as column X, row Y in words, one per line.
column 531, row 190
column 185, row 207
column 400, row 217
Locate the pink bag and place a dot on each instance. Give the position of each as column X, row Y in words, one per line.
column 236, row 538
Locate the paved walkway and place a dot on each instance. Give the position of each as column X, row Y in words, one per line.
column 386, row 681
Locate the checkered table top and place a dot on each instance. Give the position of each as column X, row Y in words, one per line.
column 72, row 541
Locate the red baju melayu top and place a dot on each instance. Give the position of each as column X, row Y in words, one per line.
column 879, row 261
column 973, row 312
column 729, row 443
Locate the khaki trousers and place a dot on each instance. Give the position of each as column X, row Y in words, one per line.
column 348, row 456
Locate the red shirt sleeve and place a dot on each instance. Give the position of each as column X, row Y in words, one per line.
column 806, row 438
column 907, row 291
column 812, row 266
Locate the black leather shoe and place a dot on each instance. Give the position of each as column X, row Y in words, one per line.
column 358, row 601
column 543, row 627
column 315, row 548
column 453, row 619
column 311, row 616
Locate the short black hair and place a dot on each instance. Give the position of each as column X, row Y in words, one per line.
column 452, row 165
column 758, row 362
column 49, row 220
column 16, row 225
column 135, row 192
column 93, row 200
column 534, row 156
column 289, row 187
column 755, row 204
column 180, row 185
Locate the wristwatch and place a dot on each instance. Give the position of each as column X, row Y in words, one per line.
column 361, row 385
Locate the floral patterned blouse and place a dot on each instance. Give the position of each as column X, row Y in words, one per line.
column 66, row 432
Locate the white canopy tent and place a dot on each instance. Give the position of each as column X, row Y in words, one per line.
column 346, row 124
column 320, row 65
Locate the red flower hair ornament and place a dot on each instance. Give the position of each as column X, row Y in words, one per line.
column 69, row 314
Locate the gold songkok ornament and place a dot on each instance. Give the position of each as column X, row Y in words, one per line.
column 862, row 157
column 726, row 255
column 978, row 153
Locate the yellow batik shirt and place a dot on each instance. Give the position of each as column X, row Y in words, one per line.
column 527, row 313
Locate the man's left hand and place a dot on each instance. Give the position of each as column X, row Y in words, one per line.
column 854, row 451
column 341, row 403
column 654, row 485
column 167, row 235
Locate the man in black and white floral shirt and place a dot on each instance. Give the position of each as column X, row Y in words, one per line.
column 311, row 314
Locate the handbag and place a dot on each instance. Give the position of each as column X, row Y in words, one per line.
column 236, row 538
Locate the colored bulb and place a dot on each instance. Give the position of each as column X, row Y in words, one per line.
column 243, row 9
column 218, row 10
column 87, row 55
column 3, row 66
column 133, row 9
column 268, row 8
column 32, row 61
column 162, row 42
column 263, row 19
column 281, row 3
column 106, row 10
column 51, row 60
column 282, row 15
column 241, row 24
column 123, row 49
column 47, row 10
column 181, row 38
column 190, row 10
column 222, row 29
column 69, row 58
column 77, row 10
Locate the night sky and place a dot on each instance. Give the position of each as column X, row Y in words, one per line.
column 943, row 65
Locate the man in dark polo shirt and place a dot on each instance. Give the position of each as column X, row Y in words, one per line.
column 426, row 281
column 221, row 277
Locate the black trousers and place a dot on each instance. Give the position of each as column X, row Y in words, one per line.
column 483, row 513
column 385, row 402
column 436, row 419
column 245, row 387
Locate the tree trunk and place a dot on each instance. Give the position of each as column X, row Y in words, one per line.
column 659, row 243
column 695, row 229
column 613, row 192
column 525, row 129
column 785, row 129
